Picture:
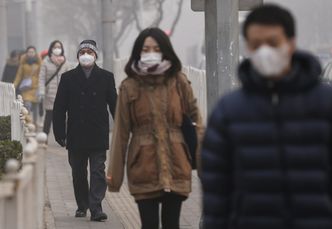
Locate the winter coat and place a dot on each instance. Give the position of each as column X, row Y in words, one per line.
column 84, row 101
column 26, row 70
column 149, row 109
column 10, row 71
column 47, row 70
column 267, row 152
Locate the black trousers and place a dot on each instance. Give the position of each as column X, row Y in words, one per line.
column 170, row 211
column 88, row 196
column 48, row 121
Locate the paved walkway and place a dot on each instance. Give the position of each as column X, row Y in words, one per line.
column 120, row 207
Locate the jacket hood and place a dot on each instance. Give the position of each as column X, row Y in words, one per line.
column 24, row 58
column 305, row 73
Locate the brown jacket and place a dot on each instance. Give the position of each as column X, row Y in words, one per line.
column 24, row 71
column 149, row 108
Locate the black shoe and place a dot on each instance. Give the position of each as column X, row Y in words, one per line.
column 99, row 216
column 80, row 213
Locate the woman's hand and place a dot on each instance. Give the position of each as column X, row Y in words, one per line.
column 108, row 179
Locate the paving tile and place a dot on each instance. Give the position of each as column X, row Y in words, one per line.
column 120, row 207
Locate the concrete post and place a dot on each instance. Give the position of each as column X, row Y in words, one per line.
column 30, row 30
column 3, row 35
column 12, row 213
column 108, row 38
column 29, row 192
column 40, row 181
column 222, row 47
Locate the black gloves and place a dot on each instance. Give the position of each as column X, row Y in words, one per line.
column 62, row 142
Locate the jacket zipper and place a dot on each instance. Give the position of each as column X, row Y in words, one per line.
column 275, row 100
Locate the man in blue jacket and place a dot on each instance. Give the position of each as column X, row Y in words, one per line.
column 267, row 159
column 81, row 124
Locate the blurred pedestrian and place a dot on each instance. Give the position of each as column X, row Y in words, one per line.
column 27, row 79
column 53, row 66
column 267, row 150
column 150, row 107
column 81, row 123
column 43, row 54
column 11, row 66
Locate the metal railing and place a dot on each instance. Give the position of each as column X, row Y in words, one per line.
column 197, row 78
column 7, row 96
column 9, row 105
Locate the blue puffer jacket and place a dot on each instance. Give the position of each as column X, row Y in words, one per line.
column 267, row 158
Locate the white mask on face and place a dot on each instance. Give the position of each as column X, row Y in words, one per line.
column 269, row 61
column 57, row 51
column 86, row 60
column 151, row 58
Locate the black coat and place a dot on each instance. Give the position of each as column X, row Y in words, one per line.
column 84, row 101
column 267, row 158
column 9, row 72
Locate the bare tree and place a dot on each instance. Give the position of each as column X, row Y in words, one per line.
column 177, row 17
column 160, row 16
column 128, row 13
column 124, row 18
column 71, row 22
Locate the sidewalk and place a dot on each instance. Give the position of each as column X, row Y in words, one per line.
column 120, row 207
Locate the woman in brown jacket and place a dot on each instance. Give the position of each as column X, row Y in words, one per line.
column 149, row 116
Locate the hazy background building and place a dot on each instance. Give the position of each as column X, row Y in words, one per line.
column 37, row 22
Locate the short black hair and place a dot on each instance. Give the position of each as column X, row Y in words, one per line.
column 49, row 53
column 15, row 53
column 30, row 47
column 165, row 46
column 271, row 14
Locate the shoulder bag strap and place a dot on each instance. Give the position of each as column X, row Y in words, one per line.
column 55, row 73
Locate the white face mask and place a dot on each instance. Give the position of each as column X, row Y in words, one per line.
column 269, row 61
column 151, row 58
column 86, row 60
column 57, row 51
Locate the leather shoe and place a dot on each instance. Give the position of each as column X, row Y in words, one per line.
column 80, row 213
column 99, row 216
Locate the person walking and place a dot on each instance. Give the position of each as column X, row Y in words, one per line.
column 150, row 108
column 27, row 80
column 266, row 154
column 11, row 67
column 53, row 66
column 81, row 124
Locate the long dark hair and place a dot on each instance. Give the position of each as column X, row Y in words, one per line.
column 164, row 45
column 49, row 53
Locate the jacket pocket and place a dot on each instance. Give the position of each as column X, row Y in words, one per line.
column 180, row 157
column 142, row 163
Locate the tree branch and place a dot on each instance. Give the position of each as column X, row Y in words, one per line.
column 138, row 26
column 125, row 20
column 125, row 23
column 177, row 18
column 158, row 20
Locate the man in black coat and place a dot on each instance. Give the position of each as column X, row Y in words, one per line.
column 11, row 67
column 267, row 156
column 81, row 123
